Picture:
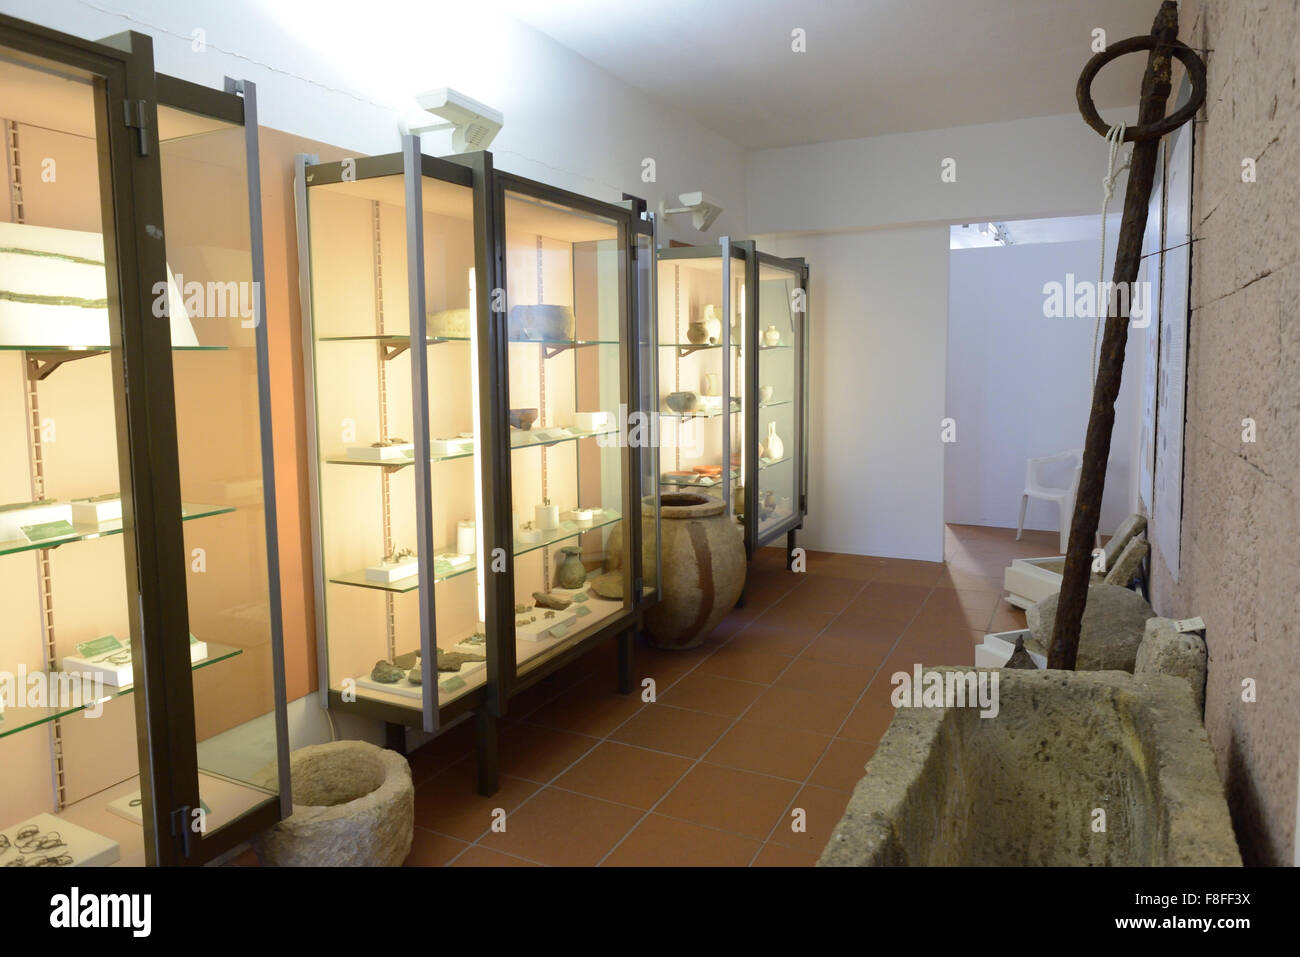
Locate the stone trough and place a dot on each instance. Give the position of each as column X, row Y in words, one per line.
column 353, row 806
column 947, row 787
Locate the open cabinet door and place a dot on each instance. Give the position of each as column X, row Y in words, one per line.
column 211, row 195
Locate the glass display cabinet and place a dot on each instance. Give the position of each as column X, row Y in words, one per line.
column 142, row 718
column 776, row 408
column 703, row 349
column 573, row 363
column 473, row 364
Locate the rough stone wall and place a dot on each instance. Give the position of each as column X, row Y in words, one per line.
column 1240, row 561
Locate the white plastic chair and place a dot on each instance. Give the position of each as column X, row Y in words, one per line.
column 1063, row 497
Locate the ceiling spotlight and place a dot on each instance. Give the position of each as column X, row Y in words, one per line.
column 473, row 125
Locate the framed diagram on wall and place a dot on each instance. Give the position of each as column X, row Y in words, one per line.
column 1171, row 378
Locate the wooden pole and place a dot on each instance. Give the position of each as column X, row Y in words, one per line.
column 1152, row 124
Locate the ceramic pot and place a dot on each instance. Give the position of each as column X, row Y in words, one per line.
column 771, row 336
column 712, row 325
column 696, row 332
column 775, row 447
column 523, row 419
column 571, row 573
column 710, row 383
column 703, row 569
column 541, row 323
column 682, row 402
column 764, row 393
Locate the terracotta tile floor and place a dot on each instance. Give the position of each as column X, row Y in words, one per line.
column 755, row 740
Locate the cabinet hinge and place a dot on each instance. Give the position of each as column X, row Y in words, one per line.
column 181, row 827
column 136, row 115
column 634, row 249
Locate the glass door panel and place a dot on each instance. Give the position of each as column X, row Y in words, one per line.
column 568, row 356
column 645, row 430
column 779, row 382
column 68, row 735
column 216, row 317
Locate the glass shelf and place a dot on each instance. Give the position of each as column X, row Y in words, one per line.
column 703, row 414
column 775, row 402
column 81, row 533
column 695, row 482
column 17, row 719
column 572, row 437
column 568, row 529
column 769, row 463
column 96, row 350
column 442, row 571
column 397, row 463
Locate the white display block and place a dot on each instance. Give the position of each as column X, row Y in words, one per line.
column 408, row 690
column 13, row 519
column 119, row 676
column 455, row 446
column 90, row 512
column 591, row 421
column 998, row 648
column 386, row 573
column 383, row 453
column 85, row 847
column 1030, row 580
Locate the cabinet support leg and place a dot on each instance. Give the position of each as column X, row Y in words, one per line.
column 395, row 737
column 790, row 546
column 485, row 747
column 625, row 648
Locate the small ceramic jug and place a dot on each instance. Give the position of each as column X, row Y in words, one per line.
column 571, row 573
column 771, row 336
column 710, row 383
column 775, row 447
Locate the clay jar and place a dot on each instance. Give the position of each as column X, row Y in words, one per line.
column 571, row 573
column 682, row 402
column 703, row 569
column 771, row 336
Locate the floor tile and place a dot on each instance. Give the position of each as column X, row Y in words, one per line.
column 739, row 802
column 625, row 775
column 539, row 753
column 778, row 855
column 822, row 594
column 825, row 677
column 766, row 749
column 851, row 625
column 709, row 693
column 735, row 661
column 673, row 730
column 862, row 652
column 871, row 717
column 562, row 829
column 660, row 841
column 818, row 712
column 449, row 803
column 431, row 849
column 780, row 637
column 843, row 764
column 591, row 707
column 477, row 856
column 822, row 810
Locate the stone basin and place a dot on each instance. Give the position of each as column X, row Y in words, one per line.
column 947, row 787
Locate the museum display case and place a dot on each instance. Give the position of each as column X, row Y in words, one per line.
column 474, row 356
column 703, row 345
column 776, row 407
column 733, row 323
column 142, row 718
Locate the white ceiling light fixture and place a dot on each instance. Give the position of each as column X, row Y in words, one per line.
column 473, row 124
column 704, row 210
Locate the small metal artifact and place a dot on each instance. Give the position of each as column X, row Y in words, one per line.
column 1020, row 658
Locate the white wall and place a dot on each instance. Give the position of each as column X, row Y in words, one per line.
column 1018, row 384
column 1023, row 169
column 880, row 320
column 344, row 73
column 879, row 308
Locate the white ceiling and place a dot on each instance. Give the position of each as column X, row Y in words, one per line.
column 871, row 66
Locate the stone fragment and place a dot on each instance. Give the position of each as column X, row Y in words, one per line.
column 385, row 672
column 1126, row 566
column 1114, row 621
column 550, row 600
column 452, row 660
column 608, row 586
column 1020, row 658
column 415, row 676
column 1166, row 650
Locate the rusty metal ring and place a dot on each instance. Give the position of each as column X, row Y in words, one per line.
column 1190, row 59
